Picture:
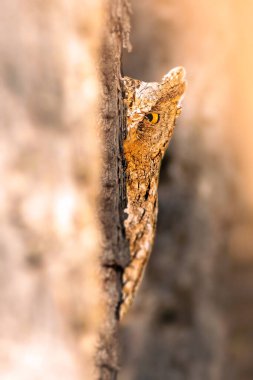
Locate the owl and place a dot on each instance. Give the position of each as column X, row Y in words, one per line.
column 151, row 111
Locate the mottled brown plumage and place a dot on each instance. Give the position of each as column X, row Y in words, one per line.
column 151, row 112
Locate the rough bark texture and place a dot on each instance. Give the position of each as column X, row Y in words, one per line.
column 115, row 250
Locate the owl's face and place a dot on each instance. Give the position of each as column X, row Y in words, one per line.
column 151, row 111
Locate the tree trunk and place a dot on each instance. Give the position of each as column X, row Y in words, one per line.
column 113, row 198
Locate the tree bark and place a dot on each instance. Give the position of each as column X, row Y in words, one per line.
column 113, row 198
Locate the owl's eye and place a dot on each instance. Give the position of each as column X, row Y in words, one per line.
column 153, row 117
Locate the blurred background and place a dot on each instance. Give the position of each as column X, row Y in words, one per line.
column 193, row 316
column 49, row 173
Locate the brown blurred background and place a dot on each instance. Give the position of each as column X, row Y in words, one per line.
column 49, row 173
column 193, row 316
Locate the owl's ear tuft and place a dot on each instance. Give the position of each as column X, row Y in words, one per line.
column 175, row 76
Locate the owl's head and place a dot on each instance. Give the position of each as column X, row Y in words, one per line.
column 152, row 109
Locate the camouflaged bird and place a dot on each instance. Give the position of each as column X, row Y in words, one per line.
column 152, row 109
